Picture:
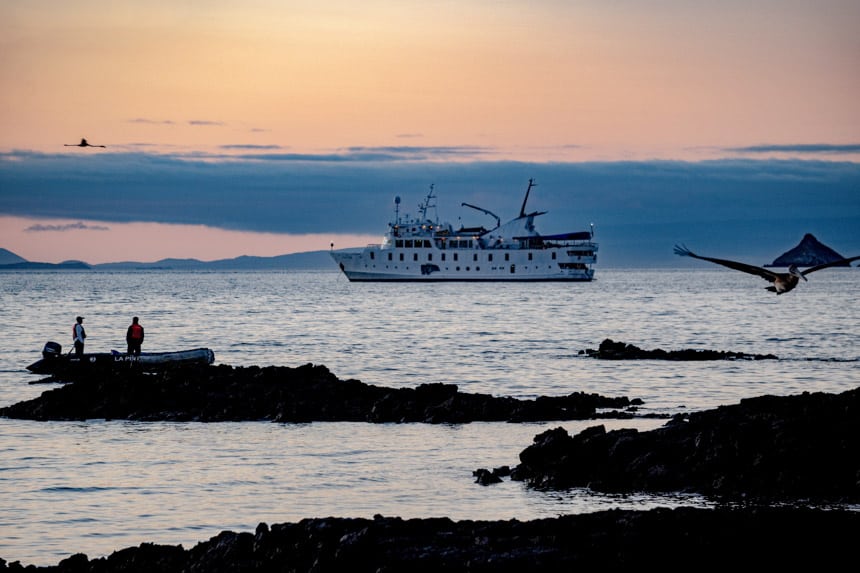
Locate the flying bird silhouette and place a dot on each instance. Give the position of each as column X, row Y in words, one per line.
column 83, row 143
column 782, row 282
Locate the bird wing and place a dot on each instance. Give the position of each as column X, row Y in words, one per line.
column 743, row 267
column 825, row 265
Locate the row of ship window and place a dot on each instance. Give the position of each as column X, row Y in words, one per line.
column 440, row 243
column 468, row 244
column 512, row 268
column 456, row 256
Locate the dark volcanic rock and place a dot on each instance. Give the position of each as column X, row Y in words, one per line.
column 804, row 447
column 611, row 350
column 809, row 252
column 668, row 539
column 305, row 394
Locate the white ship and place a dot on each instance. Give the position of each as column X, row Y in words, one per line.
column 422, row 250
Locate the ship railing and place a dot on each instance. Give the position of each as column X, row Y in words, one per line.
column 567, row 244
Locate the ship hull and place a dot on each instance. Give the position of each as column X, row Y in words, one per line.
column 359, row 278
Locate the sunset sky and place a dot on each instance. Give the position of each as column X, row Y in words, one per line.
column 265, row 127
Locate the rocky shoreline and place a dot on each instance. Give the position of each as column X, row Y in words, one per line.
column 803, row 448
column 309, row 393
column 671, row 539
column 312, row 393
column 612, row 350
column 783, row 473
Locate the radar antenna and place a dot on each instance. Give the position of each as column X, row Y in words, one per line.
column 422, row 207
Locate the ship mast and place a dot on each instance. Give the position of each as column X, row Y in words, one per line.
column 422, row 208
column 523, row 208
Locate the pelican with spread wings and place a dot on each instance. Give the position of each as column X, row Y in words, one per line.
column 782, row 282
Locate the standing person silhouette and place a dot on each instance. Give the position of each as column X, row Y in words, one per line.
column 79, row 335
column 134, row 337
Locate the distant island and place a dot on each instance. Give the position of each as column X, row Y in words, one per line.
column 31, row 266
column 307, row 261
column 809, row 252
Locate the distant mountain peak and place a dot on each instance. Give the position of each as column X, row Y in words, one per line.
column 9, row 258
column 809, row 252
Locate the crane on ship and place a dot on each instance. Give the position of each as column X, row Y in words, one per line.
column 498, row 221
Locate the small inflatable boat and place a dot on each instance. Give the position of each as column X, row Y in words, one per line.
column 55, row 362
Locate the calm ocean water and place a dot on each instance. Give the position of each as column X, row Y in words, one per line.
column 98, row 486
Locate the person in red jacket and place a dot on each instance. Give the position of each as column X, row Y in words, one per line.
column 134, row 337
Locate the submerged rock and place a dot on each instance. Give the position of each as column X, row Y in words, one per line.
column 611, row 350
column 308, row 393
column 803, row 447
column 766, row 538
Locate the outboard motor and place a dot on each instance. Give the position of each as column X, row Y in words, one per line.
column 52, row 350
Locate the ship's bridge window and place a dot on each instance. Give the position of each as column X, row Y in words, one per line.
column 408, row 243
column 398, row 243
column 427, row 244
